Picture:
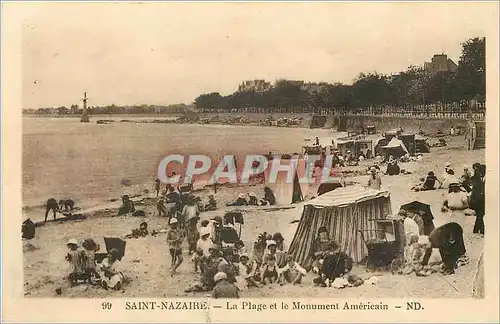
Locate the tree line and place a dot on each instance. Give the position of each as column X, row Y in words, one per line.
column 415, row 86
column 111, row 110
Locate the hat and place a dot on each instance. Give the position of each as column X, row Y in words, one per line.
column 271, row 242
column 114, row 252
column 430, row 173
column 219, row 276
column 348, row 151
column 241, row 195
column 210, row 196
column 244, row 255
column 252, row 194
column 278, row 237
column 403, row 212
column 447, row 164
column 173, row 220
column 373, row 169
column 322, row 229
column 72, row 241
column 454, row 184
column 218, row 219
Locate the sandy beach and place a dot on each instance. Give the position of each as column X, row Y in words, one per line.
column 146, row 261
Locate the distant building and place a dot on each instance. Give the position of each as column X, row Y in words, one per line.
column 440, row 63
column 254, row 85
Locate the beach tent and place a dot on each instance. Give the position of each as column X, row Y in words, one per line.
column 409, row 142
column 343, row 211
column 378, row 143
column 290, row 192
column 395, row 147
column 421, row 144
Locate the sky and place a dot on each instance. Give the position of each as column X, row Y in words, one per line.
column 168, row 53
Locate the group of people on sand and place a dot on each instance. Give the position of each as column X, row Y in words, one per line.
column 64, row 206
column 465, row 198
column 253, row 200
column 465, row 192
column 226, row 269
column 87, row 267
column 421, row 238
column 375, row 180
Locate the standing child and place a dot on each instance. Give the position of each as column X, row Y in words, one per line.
column 202, row 249
column 90, row 247
column 174, row 240
column 157, row 187
column 75, row 257
column 162, row 210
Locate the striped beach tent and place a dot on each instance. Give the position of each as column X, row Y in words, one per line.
column 343, row 211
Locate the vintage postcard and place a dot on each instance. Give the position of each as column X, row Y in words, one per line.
column 250, row 161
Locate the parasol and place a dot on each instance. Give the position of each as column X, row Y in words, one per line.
column 417, row 206
column 115, row 243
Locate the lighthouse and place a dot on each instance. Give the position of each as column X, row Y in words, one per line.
column 85, row 114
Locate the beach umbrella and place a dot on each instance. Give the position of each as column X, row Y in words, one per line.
column 115, row 243
column 417, row 206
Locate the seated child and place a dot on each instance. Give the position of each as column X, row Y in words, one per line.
column 292, row 272
column 269, row 271
column 247, row 273
column 212, row 203
column 112, row 278
column 239, row 248
column 142, row 231
column 223, row 288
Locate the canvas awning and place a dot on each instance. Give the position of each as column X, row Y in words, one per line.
column 345, row 196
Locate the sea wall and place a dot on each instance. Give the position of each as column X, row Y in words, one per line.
column 409, row 124
column 257, row 117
